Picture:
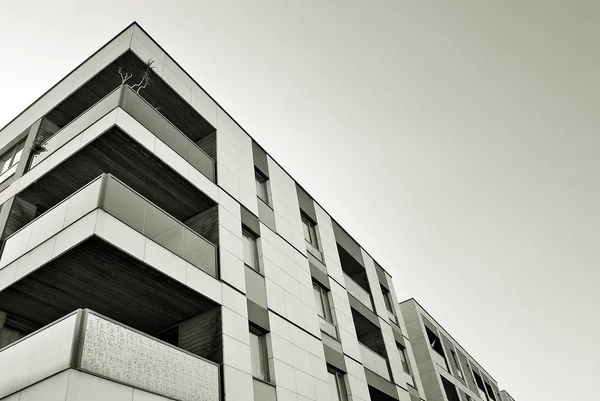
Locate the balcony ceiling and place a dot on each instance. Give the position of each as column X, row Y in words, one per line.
column 116, row 153
column 98, row 276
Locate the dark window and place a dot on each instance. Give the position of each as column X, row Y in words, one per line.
column 405, row 365
column 261, row 187
column 310, row 231
column 250, row 250
column 322, row 302
column 457, row 363
column 387, row 297
column 258, row 351
column 337, row 387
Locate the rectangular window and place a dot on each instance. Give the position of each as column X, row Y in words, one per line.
column 322, row 302
column 250, row 250
column 258, row 351
column 387, row 297
column 310, row 231
column 337, row 388
column 405, row 365
column 10, row 160
column 457, row 363
column 261, row 186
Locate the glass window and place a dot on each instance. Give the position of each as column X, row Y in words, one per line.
column 258, row 351
column 387, row 297
column 310, row 231
column 457, row 363
column 261, row 187
column 10, row 159
column 405, row 365
column 322, row 302
column 250, row 250
column 337, row 388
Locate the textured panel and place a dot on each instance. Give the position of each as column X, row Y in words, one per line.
column 123, row 355
column 39, row 356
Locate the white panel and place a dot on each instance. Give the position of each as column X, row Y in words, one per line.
column 164, row 260
column 236, row 354
column 86, row 387
column 39, row 356
column 51, row 389
column 237, row 385
column 235, row 326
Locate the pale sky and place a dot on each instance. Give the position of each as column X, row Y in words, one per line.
column 457, row 141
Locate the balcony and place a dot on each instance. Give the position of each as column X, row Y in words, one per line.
column 146, row 114
column 117, row 199
column 358, row 292
column 374, row 362
column 87, row 341
column 440, row 360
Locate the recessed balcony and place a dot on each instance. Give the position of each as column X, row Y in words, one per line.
column 146, row 114
column 117, row 199
column 158, row 95
column 358, row 292
column 93, row 343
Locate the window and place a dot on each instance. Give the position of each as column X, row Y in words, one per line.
column 9, row 161
column 250, row 250
column 387, row 297
column 405, row 365
column 310, row 232
column 261, row 186
column 258, row 351
column 337, row 388
column 457, row 363
column 322, row 302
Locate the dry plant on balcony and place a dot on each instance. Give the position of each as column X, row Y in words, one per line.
column 144, row 81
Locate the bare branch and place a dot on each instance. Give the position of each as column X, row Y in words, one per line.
column 124, row 77
column 146, row 77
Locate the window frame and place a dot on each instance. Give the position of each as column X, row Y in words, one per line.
column 310, row 227
column 253, row 237
column 404, row 358
column 324, row 304
column 12, row 161
column 263, row 363
column 261, row 182
column 340, row 383
column 457, row 363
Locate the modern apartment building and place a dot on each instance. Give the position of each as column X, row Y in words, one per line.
column 447, row 371
column 151, row 250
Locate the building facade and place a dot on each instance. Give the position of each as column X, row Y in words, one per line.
column 447, row 371
column 151, row 249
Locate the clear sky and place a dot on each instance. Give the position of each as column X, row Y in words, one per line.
column 457, row 141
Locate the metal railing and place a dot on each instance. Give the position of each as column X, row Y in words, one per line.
column 93, row 343
column 358, row 292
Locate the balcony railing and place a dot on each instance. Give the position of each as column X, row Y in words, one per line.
column 358, row 292
column 108, row 193
column 145, row 114
column 374, row 362
column 92, row 343
column 440, row 360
